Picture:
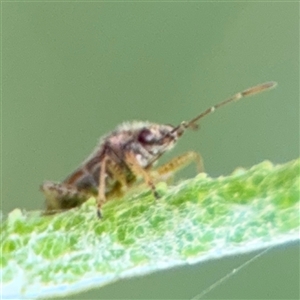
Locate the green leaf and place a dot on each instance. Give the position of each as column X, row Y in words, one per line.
column 197, row 220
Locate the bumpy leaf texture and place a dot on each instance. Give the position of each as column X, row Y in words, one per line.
column 197, row 220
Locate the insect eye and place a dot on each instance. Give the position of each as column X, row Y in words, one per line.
column 146, row 136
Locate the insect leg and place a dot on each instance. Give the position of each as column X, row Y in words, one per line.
column 118, row 173
column 135, row 167
column 101, row 188
column 179, row 162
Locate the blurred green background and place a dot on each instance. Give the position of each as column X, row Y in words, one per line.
column 71, row 72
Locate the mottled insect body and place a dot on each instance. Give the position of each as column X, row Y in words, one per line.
column 143, row 140
column 126, row 155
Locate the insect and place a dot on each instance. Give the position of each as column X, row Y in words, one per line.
column 127, row 155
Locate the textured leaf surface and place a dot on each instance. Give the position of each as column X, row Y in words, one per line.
column 197, row 220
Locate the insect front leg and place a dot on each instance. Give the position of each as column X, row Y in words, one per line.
column 137, row 170
column 177, row 163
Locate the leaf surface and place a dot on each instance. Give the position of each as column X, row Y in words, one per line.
column 197, row 220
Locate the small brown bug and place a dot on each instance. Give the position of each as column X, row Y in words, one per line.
column 125, row 155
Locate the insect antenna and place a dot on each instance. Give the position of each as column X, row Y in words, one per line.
column 192, row 124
